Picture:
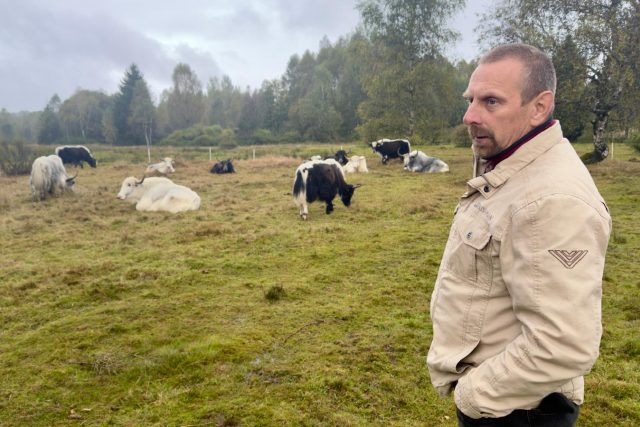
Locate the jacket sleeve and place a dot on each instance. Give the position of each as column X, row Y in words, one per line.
column 552, row 261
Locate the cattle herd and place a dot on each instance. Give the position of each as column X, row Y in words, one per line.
column 315, row 179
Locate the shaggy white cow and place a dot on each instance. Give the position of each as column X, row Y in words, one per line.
column 49, row 177
column 163, row 167
column 158, row 194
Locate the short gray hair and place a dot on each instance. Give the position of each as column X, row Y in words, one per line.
column 539, row 72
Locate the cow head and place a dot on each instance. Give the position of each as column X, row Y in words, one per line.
column 129, row 185
column 347, row 193
column 70, row 181
column 341, row 157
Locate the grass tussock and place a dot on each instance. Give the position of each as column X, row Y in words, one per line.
column 241, row 314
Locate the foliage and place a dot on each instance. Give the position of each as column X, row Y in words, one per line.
column 604, row 52
column 15, row 157
column 459, row 136
column 81, row 115
column 116, row 317
column 185, row 101
column 125, row 131
column 408, row 79
column 49, row 128
column 634, row 141
column 200, row 135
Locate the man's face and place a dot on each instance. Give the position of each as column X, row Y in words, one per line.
column 495, row 116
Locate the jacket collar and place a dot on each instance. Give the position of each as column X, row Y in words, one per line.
column 488, row 182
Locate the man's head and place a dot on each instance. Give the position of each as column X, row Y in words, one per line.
column 510, row 92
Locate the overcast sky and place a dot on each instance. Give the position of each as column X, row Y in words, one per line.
column 58, row 46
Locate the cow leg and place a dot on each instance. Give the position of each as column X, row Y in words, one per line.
column 329, row 208
column 304, row 211
column 384, row 160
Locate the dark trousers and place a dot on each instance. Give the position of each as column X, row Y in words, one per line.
column 555, row 410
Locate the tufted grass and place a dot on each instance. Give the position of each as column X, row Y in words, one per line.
column 241, row 314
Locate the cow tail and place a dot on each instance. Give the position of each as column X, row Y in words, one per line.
column 300, row 183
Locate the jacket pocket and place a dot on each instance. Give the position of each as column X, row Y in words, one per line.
column 469, row 254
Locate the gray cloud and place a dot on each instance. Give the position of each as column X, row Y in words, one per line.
column 58, row 46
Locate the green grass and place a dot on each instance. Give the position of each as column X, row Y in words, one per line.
column 242, row 314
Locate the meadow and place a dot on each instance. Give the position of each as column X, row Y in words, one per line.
column 242, row 314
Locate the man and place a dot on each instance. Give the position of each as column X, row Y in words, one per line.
column 516, row 306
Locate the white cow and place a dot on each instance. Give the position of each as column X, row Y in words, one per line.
column 356, row 164
column 49, row 177
column 418, row 161
column 158, row 194
column 163, row 167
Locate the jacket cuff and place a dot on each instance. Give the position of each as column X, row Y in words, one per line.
column 463, row 399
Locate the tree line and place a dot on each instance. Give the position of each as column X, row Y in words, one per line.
column 389, row 78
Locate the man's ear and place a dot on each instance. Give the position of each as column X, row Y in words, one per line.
column 542, row 106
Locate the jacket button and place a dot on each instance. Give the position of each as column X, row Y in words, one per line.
column 486, row 188
column 469, row 234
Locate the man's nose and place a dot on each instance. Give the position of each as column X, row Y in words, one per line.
column 471, row 116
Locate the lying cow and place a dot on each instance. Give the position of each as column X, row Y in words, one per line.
column 320, row 180
column 390, row 148
column 417, row 161
column 223, row 166
column 75, row 155
column 49, row 177
column 356, row 164
column 163, row 167
column 158, row 194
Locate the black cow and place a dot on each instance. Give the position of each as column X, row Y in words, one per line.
column 224, row 166
column 320, row 180
column 75, row 155
column 391, row 148
column 340, row 157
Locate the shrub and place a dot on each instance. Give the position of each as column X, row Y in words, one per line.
column 459, row 136
column 16, row 157
column 634, row 141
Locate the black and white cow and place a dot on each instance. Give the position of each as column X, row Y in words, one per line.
column 418, row 161
column 390, row 148
column 224, row 166
column 75, row 155
column 320, row 180
column 341, row 157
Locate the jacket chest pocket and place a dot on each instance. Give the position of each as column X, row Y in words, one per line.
column 469, row 256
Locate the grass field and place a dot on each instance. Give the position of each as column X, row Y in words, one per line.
column 241, row 314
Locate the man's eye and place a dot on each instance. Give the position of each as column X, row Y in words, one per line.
column 492, row 101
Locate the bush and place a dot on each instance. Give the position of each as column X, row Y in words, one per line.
column 200, row 135
column 16, row 157
column 634, row 141
column 459, row 136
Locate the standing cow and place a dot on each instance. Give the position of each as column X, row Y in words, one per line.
column 75, row 155
column 418, row 161
column 49, row 177
column 320, row 180
column 390, row 148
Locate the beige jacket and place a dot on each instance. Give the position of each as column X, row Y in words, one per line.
column 516, row 305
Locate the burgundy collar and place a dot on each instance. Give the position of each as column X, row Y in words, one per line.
column 493, row 161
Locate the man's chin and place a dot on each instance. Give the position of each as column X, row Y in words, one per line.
column 481, row 150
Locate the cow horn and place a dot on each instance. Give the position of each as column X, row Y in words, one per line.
column 357, row 185
column 142, row 180
column 72, row 178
